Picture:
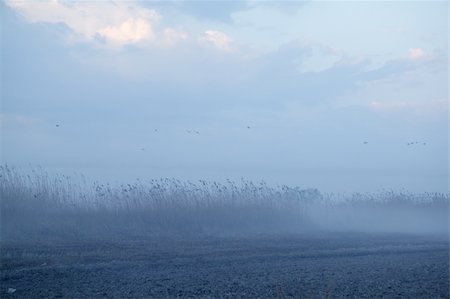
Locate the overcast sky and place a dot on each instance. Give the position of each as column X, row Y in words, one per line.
column 127, row 81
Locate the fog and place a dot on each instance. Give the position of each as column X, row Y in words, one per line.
column 273, row 91
column 42, row 207
column 224, row 149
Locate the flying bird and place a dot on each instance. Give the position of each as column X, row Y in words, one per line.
column 197, row 132
column 365, row 142
column 248, row 127
column 156, row 130
column 189, row 131
column 57, row 125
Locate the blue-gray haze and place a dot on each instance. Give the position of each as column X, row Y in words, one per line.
column 341, row 96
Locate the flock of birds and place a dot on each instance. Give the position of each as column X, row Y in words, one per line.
column 156, row 130
column 416, row 142
column 248, row 127
column 187, row 131
column 408, row 144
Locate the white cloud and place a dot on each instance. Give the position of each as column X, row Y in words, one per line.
column 416, row 53
column 218, row 40
column 130, row 31
column 116, row 23
column 173, row 36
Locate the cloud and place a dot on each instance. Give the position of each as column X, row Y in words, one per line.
column 129, row 32
column 218, row 40
column 173, row 36
column 112, row 24
column 115, row 23
column 416, row 53
column 415, row 59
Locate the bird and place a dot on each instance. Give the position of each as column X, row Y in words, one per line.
column 57, row 125
column 188, row 131
column 365, row 142
column 11, row 290
column 143, row 149
column 197, row 132
column 248, row 127
column 424, row 143
column 156, row 130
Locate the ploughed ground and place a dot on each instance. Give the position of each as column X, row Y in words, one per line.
column 321, row 265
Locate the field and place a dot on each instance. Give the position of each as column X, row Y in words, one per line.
column 66, row 237
column 289, row 266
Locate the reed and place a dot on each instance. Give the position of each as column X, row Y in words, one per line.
column 35, row 204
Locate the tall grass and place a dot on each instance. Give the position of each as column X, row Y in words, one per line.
column 35, row 204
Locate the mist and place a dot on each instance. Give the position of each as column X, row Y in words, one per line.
column 310, row 99
column 224, row 149
column 38, row 205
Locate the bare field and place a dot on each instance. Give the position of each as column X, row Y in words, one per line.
column 61, row 238
column 321, row 265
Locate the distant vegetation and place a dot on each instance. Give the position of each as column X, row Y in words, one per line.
column 39, row 206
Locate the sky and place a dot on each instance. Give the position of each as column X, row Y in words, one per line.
column 328, row 95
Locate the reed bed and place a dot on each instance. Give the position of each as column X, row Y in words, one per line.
column 35, row 204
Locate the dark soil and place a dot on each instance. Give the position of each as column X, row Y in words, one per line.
column 289, row 266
